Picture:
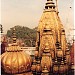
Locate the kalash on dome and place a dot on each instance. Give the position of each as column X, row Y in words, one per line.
column 52, row 55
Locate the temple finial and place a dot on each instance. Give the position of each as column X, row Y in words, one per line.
column 57, row 7
column 14, row 36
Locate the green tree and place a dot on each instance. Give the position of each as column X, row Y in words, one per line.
column 26, row 34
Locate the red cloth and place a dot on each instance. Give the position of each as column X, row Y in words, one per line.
column 2, row 48
column 72, row 52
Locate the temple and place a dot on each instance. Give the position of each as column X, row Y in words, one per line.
column 51, row 43
column 52, row 55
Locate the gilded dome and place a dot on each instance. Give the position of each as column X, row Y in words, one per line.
column 14, row 60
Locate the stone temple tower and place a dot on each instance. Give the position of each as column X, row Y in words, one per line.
column 52, row 53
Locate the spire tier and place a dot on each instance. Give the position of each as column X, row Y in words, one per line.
column 49, row 6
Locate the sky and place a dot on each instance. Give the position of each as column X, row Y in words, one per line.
column 28, row 12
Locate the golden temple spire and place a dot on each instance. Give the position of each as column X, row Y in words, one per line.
column 14, row 47
column 52, row 40
column 14, row 36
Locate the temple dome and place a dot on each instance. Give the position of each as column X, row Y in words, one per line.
column 15, row 60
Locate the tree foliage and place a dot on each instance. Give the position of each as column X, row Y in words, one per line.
column 26, row 34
